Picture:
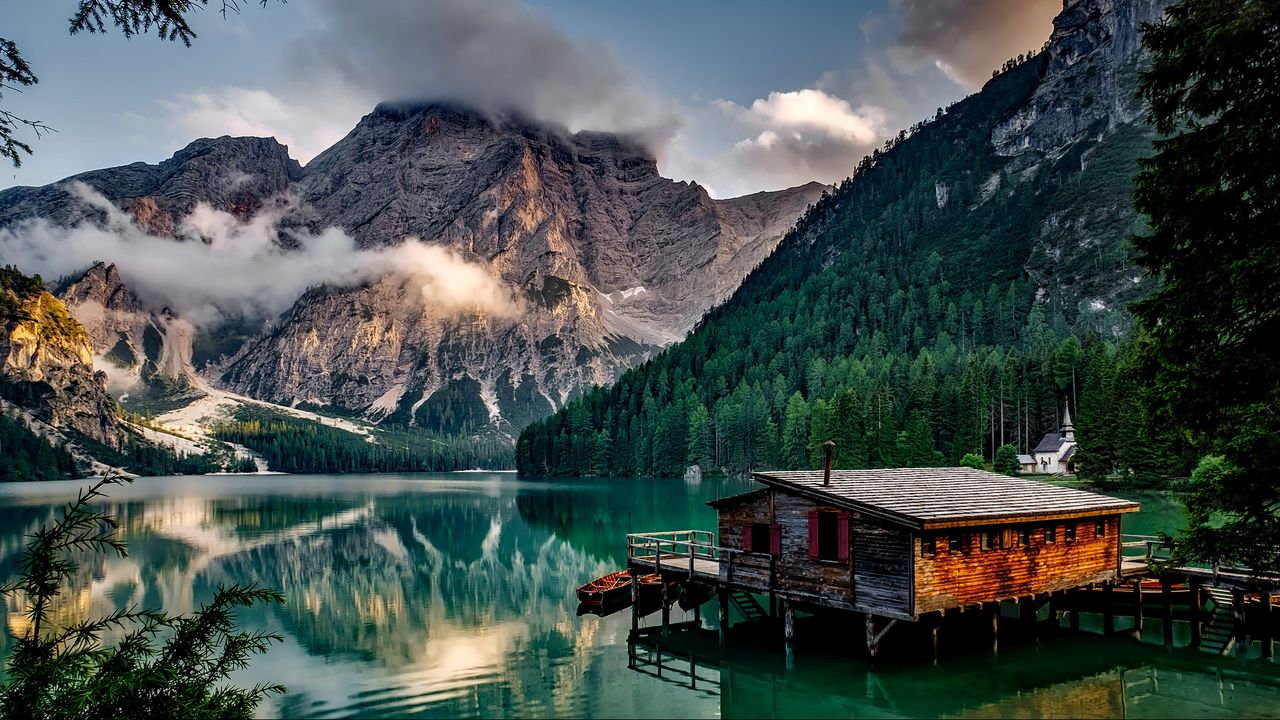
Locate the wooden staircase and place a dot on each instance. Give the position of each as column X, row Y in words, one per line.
column 1219, row 633
column 748, row 606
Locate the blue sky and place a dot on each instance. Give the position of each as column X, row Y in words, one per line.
column 739, row 96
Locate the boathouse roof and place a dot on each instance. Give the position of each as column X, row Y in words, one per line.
column 934, row 498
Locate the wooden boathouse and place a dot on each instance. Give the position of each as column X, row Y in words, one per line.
column 896, row 544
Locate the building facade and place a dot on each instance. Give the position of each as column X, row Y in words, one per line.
column 900, row 543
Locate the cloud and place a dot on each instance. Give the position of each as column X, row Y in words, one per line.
column 496, row 54
column 307, row 126
column 220, row 266
column 794, row 137
column 967, row 39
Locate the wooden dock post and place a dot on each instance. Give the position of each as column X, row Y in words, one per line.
column 635, row 608
column 1238, row 614
column 1027, row 612
column 789, row 632
column 724, row 612
column 873, row 643
column 666, row 610
column 935, row 626
column 1137, row 608
column 1196, row 606
column 993, row 609
column 1108, row 612
column 1265, row 636
column 1166, row 607
column 1075, row 609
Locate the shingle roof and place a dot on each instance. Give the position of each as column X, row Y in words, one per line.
column 945, row 497
column 1052, row 442
column 1070, row 453
column 1026, row 460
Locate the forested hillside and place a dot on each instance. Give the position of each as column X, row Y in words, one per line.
column 946, row 299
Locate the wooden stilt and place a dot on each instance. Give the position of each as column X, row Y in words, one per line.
column 697, row 615
column 724, row 612
column 635, row 608
column 1266, row 633
column 1166, row 609
column 1237, row 613
column 1027, row 611
column 1108, row 615
column 935, row 625
column 789, row 632
column 873, row 646
column 1196, row 606
column 1137, row 608
column 666, row 610
column 994, row 611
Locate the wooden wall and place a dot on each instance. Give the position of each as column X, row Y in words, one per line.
column 948, row 580
column 882, row 566
column 881, row 582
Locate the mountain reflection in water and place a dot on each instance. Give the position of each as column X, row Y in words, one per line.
column 452, row 595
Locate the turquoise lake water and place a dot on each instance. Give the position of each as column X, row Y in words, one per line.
column 451, row 595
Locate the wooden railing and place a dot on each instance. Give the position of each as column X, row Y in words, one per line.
column 1150, row 547
column 674, row 547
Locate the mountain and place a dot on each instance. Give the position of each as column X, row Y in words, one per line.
column 953, row 295
column 607, row 261
column 612, row 261
column 46, row 365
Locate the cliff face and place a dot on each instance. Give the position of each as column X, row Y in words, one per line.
column 1090, row 86
column 46, row 362
column 608, row 262
column 137, row 348
column 1087, row 123
column 232, row 174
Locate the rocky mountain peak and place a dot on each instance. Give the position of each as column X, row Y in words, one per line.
column 609, row 260
column 1090, row 81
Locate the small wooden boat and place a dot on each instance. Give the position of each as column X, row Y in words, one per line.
column 608, row 589
column 695, row 595
column 650, row 589
column 604, row 609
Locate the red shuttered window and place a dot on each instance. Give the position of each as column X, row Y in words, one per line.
column 746, row 537
column 813, row 534
column 842, row 550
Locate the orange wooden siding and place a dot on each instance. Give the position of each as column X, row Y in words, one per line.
column 947, row 579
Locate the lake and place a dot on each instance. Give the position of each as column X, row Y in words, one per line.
column 451, row 595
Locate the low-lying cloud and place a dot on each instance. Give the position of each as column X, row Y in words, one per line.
column 220, row 266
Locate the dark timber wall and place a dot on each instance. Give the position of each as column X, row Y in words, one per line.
column 882, row 566
column 873, row 576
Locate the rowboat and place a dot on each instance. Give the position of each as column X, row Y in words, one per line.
column 651, row 589
column 695, row 595
column 608, row 589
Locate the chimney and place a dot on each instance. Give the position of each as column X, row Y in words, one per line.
column 827, row 448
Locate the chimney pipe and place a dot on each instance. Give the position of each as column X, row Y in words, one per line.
column 828, row 447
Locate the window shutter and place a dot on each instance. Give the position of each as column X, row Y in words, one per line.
column 746, row 537
column 813, row 534
column 842, row 549
column 775, row 539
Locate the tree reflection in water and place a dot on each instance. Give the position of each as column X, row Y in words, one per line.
column 452, row 595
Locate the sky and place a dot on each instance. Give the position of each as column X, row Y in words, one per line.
column 737, row 95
